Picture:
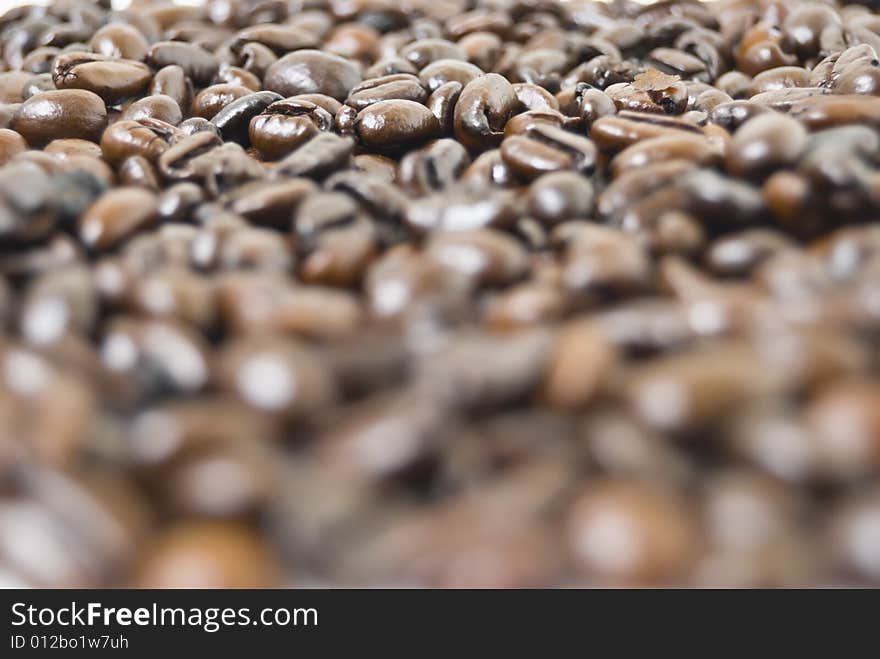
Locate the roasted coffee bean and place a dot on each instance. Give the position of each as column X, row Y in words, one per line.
column 312, row 72
column 126, row 138
column 110, row 78
column 198, row 64
column 487, row 256
column 436, row 166
column 395, row 125
column 172, row 81
column 279, row 38
column 278, row 376
column 116, row 215
column 471, row 208
column 560, row 196
column 652, row 523
column 177, row 201
column 472, row 295
column 285, row 125
column 612, row 133
column 483, row 107
column 397, row 86
column 211, row 100
column 694, row 149
column 269, row 203
column 120, row 40
column 11, row 144
column 233, row 119
column 442, row 103
column 319, row 157
column 58, row 114
column 137, row 170
column 764, row 143
column 160, row 107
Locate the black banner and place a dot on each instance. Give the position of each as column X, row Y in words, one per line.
column 413, row 621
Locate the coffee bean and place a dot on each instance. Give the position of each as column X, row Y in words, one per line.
column 560, row 196
column 320, row 156
column 312, row 72
column 285, row 125
column 765, row 142
column 59, row 114
column 367, row 295
column 211, row 100
column 395, row 125
column 116, row 215
column 198, row 64
column 653, row 524
column 172, row 81
column 233, row 555
column 111, row 79
column 483, row 107
column 120, row 40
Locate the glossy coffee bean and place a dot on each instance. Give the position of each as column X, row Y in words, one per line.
column 312, row 72
column 61, row 114
column 560, row 196
column 764, row 143
column 116, row 215
column 110, row 78
column 198, row 64
column 483, row 107
column 286, row 125
column 397, row 124
column 120, row 40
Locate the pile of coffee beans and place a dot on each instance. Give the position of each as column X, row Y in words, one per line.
column 500, row 293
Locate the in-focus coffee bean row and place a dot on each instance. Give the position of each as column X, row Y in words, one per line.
column 440, row 293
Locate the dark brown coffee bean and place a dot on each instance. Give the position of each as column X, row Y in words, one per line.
column 425, row 51
column 116, row 215
column 137, row 170
column 11, row 144
column 436, row 166
column 285, row 125
column 470, row 208
column 158, row 106
column 211, row 100
column 319, row 157
column 172, row 81
column 120, row 40
column 442, row 104
column 58, row 114
column 177, row 201
column 132, row 138
column 111, row 79
column 764, row 143
column 278, row 376
column 281, row 39
column 395, row 125
column 312, row 72
column 198, row 64
column 397, row 86
column 560, row 196
column 232, row 120
column 269, row 203
column 486, row 256
column 692, row 148
column 483, row 107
